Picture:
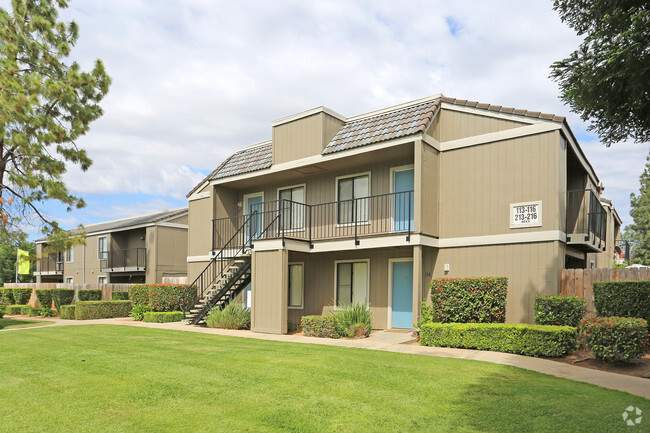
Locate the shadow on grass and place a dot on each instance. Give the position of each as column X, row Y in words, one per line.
column 17, row 323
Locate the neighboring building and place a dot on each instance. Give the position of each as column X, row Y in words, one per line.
column 141, row 249
column 612, row 254
column 372, row 207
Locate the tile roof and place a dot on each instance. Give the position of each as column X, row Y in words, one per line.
column 246, row 160
column 400, row 122
column 500, row 109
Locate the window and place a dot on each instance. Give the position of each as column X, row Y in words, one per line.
column 102, row 247
column 296, row 285
column 293, row 212
column 69, row 255
column 351, row 197
column 101, row 280
column 351, row 282
column 68, row 280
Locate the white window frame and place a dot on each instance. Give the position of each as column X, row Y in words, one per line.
column 336, row 197
column 390, row 286
column 245, row 198
column 284, row 188
column 71, row 251
column 99, row 277
column 302, row 295
column 394, row 170
column 99, row 254
column 69, row 280
column 336, row 267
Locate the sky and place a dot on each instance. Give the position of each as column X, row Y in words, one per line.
column 194, row 80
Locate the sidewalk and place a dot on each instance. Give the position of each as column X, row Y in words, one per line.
column 393, row 342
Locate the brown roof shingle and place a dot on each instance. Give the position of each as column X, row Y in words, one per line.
column 500, row 109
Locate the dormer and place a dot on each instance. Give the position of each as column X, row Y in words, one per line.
column 304, row 134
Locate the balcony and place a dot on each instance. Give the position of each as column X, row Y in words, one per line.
column 384, row 214
column 50, row 265
column 127, row 260
column 586, row 221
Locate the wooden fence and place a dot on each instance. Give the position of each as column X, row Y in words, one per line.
column 174, row 280
column 107, row 289
column 579, row 282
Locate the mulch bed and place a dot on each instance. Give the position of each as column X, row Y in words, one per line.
column 582, row 358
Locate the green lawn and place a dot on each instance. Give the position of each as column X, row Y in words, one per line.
column 104, row 378
column 20, row 323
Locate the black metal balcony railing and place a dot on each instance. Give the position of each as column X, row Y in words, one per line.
column 52, row 264
column 130, row 259
column 586, row 217
column 280, row 219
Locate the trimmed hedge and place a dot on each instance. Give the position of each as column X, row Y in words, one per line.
column 44, row 297
column 139, row 294
column 615, row 338
column 469, row 300
column 562, row 310
column 86, row 310
column 34, row 312
column 2, row 311
column 62, row 297
column 623, row 299
column 163, row 316
column 46, row 312
column 89, row 295
column 27, row 310
column 67, row 312
column 14, row 309
column 530, row 340
column 319, row 326
column 120, row 296
column 22, row 295
column 8, row 294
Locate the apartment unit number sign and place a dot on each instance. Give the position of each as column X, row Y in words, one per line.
column 526, row 214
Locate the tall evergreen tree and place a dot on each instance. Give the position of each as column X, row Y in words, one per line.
column 45, row 106
column 639, row 231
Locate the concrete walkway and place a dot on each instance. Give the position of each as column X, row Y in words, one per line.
column 393, row 342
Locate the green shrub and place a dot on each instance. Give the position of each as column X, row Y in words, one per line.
column 139, row 294
column 163, row 316
column 67, row 312
column 615, row 338
column 46, row 312
column 14, row 309
column 138, row 311
column 44, row 297
column 563, row 310
column 8, row 294
column 86, row 310
column 89, row 295
column 234, row 316
column 34, row 312
column 469, row 300
column 62, row 297
column 319, row 326
column 353, row 320
column 170, row 297
column 22, row 295
column 623, row 299
column 530, row 340
column 2, row 311
column 26, row 310
column 120, row 296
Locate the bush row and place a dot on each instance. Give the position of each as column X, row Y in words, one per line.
column 85, row 310
column 27, row 310
column 7, row 294
column 67, row 312
column 559, row 310
column 163, row 297
column 469, row 300
column 163, row 316
column 615, row 338
column 89, row 295
column 120, row 296
column 44, row 297
column 14, row 309
column 523, row 339
column 62, row 297
column 319, row 326
column 623, row 299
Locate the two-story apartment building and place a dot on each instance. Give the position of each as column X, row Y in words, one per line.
column 140, row 249
column 370, row 208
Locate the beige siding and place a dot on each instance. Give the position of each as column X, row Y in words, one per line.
column 303, row 137
column 171, row 252
column 152, row 256
column 194, row 269
column 452, row 125
column 269, row 292
column 85, row 259
column 479, row 183
column 427, row 189
column 200, row 227
column 532, row 269
column 180, row 220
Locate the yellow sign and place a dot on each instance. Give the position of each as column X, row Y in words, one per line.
column 23, row 262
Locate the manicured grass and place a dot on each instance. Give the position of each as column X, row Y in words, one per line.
column 17, row 323
column 126, row 379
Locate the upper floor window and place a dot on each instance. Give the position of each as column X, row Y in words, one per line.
column 352, row 204
column 69, row 255
column 102, row 247
column 291, row 203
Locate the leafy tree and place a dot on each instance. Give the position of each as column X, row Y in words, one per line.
column 45, row 105
column 607, row 79
column 638, row 233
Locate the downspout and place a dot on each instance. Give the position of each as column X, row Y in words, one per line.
column 83, row 269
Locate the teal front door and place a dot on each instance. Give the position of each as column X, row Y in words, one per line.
column 254, row 204
column 402, row 283
column 403, row 212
